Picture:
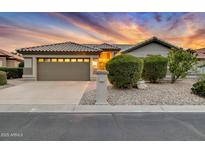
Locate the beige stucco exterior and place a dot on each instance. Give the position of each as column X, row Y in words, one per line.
column 12, row 63
column 150, row 49
column 4, row 62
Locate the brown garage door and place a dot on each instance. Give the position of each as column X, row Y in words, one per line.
column 63, row 69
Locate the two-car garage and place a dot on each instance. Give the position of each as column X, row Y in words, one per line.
column 63, row 69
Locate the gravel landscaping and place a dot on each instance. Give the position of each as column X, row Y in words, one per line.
column 163, row 93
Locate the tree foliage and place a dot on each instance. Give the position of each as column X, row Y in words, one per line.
column 180, row 61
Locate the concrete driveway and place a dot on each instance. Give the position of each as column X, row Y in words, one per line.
column 44, row 92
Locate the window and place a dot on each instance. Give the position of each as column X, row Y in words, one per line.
column 54, row 60
column 40, row 60
column 28, row 62
column 103, row 59
column 60, row 60
column 47, row 60
column 87, row 60
column 80, row 60
column 73, row 60
column 67, row 60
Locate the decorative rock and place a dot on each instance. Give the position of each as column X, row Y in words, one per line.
column 141, row 84
column 163, row 93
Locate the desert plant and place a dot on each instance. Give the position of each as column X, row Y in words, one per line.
column 3, row 79
column 155, row 68
column 198, row 88
column 180, row 61
column 124, row 71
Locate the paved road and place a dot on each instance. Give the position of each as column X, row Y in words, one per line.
column 108, row 126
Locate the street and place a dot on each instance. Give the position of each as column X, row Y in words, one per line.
column 102, row 126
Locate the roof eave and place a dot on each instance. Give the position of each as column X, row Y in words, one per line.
column 154, row 40
column 59, row 52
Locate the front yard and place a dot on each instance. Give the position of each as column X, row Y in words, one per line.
column 163, row 93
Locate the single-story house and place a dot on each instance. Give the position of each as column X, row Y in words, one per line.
column 66, row 61
column 73, row 61
column 152, row 46
column 8, row 59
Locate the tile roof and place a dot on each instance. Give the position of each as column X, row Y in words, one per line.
column 10, row 55
column 200, row 53
column 104, row 46
column 60, row 47
column 148, row 41
column 124, row 46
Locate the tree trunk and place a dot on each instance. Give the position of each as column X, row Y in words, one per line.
column 173, row 79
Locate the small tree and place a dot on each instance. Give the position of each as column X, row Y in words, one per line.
column 180, row 61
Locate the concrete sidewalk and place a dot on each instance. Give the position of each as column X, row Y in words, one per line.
column 99, row 108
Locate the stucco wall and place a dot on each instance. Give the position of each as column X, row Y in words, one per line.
column 3, row 61
column 8, row 63
column 12, row 63
column 150, row 49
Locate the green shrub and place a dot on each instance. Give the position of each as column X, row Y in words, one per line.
column 21, row 64
column 180, row 61
column 124, row 71
column 12, row 73
column 198, row 88
column 155, row 68
column 3, row 79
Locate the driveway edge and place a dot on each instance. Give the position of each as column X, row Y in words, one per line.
column 99, row 108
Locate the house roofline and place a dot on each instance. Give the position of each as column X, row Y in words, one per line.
column 154, row 39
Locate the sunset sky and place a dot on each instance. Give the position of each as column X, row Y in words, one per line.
column 19, row 30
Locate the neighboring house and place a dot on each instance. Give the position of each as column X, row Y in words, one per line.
column 8, row 59
column 200, row 54
column 66, row 61
column 152, row 46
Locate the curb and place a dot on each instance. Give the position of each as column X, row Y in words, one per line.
column 99, row 108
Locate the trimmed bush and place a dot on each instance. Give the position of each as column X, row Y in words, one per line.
column 12, row 73
column 124, row 71
column 21, row 64
column 199, row 88
column 3, row 79
column 155, row 68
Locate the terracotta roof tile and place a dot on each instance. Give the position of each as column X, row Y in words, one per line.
column 10, row 55
column 104, row 46
column 60, row 47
